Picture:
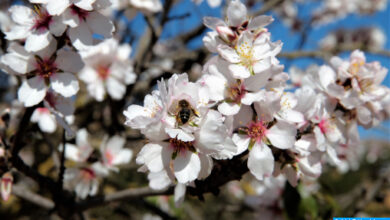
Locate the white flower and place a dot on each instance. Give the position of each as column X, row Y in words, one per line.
column 82, row 150
column 212, row 3
column 107, row 68
column 83, row 18
column 237, row 22
column 232, row 92
column 147, row 5
column 85, row 180
column 46, row 70
column 113, row 152
column 252, row 55
column 184, row 134
column 37, row 27
column 256, row 135
column 46, row 121
column 6, row 183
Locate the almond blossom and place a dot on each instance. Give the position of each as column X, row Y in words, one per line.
column 36, row 26
column 256, row 135
column 84, row 180
column 252, row 55
column 46, row 69
column 237, row 22
column 83, row 18
column 46, row 121
column 6, row 183
column 107, row 69
column 182, row 146
column 231, row 91
column 114, row 154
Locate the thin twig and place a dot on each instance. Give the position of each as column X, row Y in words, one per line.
column 127, row 194
column 34, row 198
column 328, row 54
column 267, row 6
column 62, row 162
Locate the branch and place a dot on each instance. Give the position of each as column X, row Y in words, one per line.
column 62, row 162
column 18, row 138
column 267, row 6
column 29, row 196
column 219, row 176
column 127, row 194
column 328, row 54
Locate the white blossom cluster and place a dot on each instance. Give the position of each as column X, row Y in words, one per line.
column 240, row 104
column 51, row 46
column 335, row 9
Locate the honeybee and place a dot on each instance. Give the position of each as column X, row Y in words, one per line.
column 184, row 112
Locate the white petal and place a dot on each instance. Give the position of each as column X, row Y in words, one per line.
column 32, row 91
column 47, row 123
column 159, row 180
column 261, row 161
column 311, row 165
column 213, row 22
column 150, row 155
column 258, row 81
column 227, row 108
column 57, row 7
column 37, row 41
column 57, row 27
column 100, row 24
column 259, row 22
column 228, row 53
column 180, row 191
column 71, row 152
column 206, row 164
column 242, row 142
column 69, row 61
column 239, row 71
column 115, row 88
column 282, row 135
column 123, row 157
column 85, row 4
column 236, row 13
column 22, row 15
column 65, row 84
column 17, row 63
column 179, row 134
column 186, row 167
column 81, row 36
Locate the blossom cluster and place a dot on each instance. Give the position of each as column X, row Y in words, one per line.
column 52, row 45
column 243, row 104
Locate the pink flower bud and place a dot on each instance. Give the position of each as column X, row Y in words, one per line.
column 6, row 185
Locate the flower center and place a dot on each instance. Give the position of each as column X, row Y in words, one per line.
column 355, row 67
column 236, row 92
column 256, row 130
column 180, row 146
column 81, row 13
column 87, row 174
column 43, row 110
column 326, row 125
column 42, row 20
column 46, row 67
column 246, row 54
column 109, row 157
column 103, row 72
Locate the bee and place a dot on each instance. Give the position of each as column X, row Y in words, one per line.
column 185, row 112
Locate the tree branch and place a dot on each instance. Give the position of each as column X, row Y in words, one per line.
column 328, row 54
column 267, row 6
column 29, row 196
